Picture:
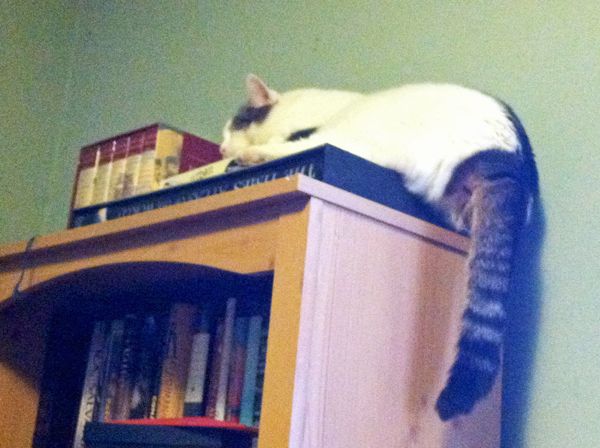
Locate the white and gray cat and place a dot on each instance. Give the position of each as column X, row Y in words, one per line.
column 463, row 152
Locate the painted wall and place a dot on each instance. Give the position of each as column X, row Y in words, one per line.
column 131, row 63
column 34, row 77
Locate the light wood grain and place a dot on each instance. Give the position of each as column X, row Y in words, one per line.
column 379, row 324
column 283, row 331
column 262, row 195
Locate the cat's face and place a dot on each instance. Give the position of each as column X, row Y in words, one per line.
column 252, row 124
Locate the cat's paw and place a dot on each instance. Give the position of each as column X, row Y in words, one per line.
column 251, row 156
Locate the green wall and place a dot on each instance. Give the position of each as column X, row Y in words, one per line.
column 34, row 77
column 74, row 76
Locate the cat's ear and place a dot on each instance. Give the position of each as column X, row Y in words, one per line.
column 259, row 94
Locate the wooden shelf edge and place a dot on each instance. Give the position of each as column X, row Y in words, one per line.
column 278, row 191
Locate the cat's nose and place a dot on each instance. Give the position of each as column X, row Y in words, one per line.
column 223, row 150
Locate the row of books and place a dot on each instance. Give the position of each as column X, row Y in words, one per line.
column 137, row 162
column 187, row 361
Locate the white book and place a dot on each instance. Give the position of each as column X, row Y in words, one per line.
column 93, row 377
column 223, row 377
column 194, row 393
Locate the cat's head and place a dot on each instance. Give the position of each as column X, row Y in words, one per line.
column 252, row 125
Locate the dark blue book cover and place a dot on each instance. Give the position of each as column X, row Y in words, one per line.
column 111, row 435
column 325, row 163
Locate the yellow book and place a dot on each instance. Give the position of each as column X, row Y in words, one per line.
column 167, row 156
column 176, row 360
column 203, row 172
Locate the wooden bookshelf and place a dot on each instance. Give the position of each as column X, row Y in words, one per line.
column 365, row 309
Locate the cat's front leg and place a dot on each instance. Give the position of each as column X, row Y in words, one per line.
column 253, row 155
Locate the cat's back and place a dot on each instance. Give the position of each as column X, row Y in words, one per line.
column 427, row 102
column 435, row 117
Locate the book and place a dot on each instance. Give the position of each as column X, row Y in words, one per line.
column 117, row 173
column 90, row 396
column 190, row 432
column 251, row 370
column 221, row 361
column 111, row 435
column 326, row 163
column 162, row 322
column 191, row 422
column 84, row 178
column 176, row 359
column 196, row 380
column 145, row 182
column 148, row 372
column 260, row 374
column 127, row 367
column 137, row 162
column 236, row 372
column 110, row 374
column 202, row 172
column 103, row 172
column 133, row 164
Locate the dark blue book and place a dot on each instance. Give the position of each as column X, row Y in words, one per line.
column 112, row 435
column 325, row 163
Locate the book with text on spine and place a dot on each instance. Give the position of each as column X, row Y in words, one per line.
column 90, row 397
column 176, row 360
column 325, row 163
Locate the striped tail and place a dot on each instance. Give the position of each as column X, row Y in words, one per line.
column 497, row 209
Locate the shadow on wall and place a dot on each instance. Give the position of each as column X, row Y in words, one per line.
column 521, row 335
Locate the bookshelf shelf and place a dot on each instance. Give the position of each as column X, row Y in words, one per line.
column 364, row 309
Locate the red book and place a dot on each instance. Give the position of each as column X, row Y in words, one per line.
column 202, row 422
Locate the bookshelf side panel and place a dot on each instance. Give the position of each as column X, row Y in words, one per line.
column 283, row 329
column 379, row 323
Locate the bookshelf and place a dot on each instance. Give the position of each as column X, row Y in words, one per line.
column 364, row 313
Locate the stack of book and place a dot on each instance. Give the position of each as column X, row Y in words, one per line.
column 325, row 163
column 188, row 361
column 137, row 162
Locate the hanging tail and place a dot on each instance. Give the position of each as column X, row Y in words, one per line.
column 495, row 211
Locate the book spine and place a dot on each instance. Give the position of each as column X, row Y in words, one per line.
column 127, row 369
column 251, row 371
column 162, row 323
column 215, row 363
column 196, row 380
column 148, row 364
column 176, row 361
column 146, row 170
column 168, row 152
column 260, row 374
column 102, row 179
column 111, row 370
column 236, row 375
column 132, row 166
column 223, row 379
column 91, row 386
column 88, row 166
column 117, row 174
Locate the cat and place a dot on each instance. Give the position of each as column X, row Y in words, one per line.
column 463, row 152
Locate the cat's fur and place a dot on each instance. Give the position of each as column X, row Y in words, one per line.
column 463, row 152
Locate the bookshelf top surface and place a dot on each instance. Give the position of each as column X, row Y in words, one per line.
column 297, row 189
